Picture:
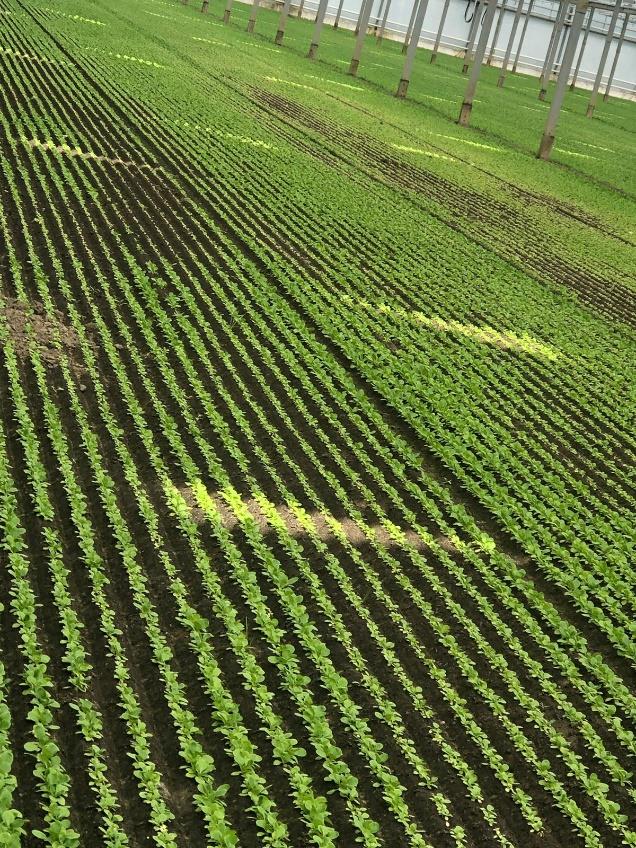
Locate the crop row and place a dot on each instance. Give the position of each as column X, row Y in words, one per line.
column 239, row 432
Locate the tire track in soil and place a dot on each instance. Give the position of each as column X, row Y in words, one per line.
column 607, row 296
column 552, row 203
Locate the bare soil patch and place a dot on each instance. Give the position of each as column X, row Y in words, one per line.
column 54, row 337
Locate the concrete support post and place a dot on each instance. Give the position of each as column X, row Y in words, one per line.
column 588, row 26
column 555, row 26
column 376, row 25
column 561, row 47
column 522, row 37
column 362, row 11
column 471, row 88
column 385, row 17
column 282, row 22
column 251, row 23
column 412, row 49
column 409, row 29
column 440, row 30
column 301, row 6
column 363, row 24
column 513, row 31
column 472, row 34
column 338, row 13
column 315, row 38
column 547, row 142
column 552, row 48
column 204, row 6
column 601, row 65
column 495, row 38
column 621, row 39
column 227, row 12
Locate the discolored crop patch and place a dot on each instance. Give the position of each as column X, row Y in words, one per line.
column 54, row 338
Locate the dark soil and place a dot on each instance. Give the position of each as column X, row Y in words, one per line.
column 284, row 443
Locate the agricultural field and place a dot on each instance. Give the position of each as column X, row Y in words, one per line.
column 316, row 444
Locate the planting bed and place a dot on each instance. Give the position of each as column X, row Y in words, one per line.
column 316, row 445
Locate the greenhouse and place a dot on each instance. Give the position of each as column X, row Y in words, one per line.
column 317, row 423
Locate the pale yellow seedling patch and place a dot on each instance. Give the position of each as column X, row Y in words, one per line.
column 467, row 141
column 78, row 18
column 232, row 509
column 157, row 15
column 434, row 97
column 594, row 146
column 333, row 82
column 30, row 57
column 503, row 339
column 67, row 150
column 124, row 57
column 240, row 139
column 574, row 153
column 210, row 41
column 430, row 153
column 290, row 82
column 260, row 46
column 243, row 139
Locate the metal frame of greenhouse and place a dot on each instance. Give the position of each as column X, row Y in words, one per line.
column 570, row 32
